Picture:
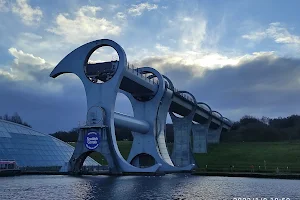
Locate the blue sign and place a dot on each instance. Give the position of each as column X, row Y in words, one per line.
column 92, row 140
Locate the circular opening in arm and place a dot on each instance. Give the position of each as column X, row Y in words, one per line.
column 102, row 65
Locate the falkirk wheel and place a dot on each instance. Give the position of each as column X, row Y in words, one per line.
column 153, row 96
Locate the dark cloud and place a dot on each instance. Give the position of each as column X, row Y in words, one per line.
column 48, row 109
column 45, row 110
column 262, row 86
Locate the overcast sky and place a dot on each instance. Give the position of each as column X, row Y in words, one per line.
column 241, row 57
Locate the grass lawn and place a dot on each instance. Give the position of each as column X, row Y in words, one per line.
column 242, row 155
column 284, row 155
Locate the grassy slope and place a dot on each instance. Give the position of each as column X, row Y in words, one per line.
column 241, row 155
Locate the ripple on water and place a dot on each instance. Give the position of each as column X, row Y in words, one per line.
column 144, row 187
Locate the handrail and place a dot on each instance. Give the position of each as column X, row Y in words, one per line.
column 170, row 86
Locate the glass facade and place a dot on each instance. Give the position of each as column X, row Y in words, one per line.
column 30, row 148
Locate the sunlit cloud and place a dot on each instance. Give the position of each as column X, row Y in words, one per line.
column 3, row 6
column 29, row 16
column 138, row 9
column 275, row 31
column 84, row 26
column 203, row 50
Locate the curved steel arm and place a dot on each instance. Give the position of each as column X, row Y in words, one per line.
column 202, row 103
column 74, row 61
column 169, row 82
column 221, row 117
column 228, row 120
column 193, row 111
column 186, row 92
column 155, row 73
column 210, row 110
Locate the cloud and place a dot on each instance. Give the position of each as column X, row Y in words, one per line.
column 27, row 88
column 275, row 31
column 258, row 84
column 234, row 83
column 138, row 9
column 84, row 26
column 168, row 59
column 187, row 32
column 121, row 16
column 25, row 58
column 31, row 36
column 187, row 19
column 26, row 67
column 44, row 108
column 193, row 33
column 29, row 16
column 259, row 35
column 41, row 45
column 42, row 101
column 264, row 85
column 162, row 48
column 86, row 10
column 113, row 7
column 6, row 74
column 3, row 6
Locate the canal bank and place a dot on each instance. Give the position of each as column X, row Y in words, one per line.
column 248, row 174
column 106, row 173
column 195, row 173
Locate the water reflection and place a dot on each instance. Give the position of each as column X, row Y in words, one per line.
column 180, row 186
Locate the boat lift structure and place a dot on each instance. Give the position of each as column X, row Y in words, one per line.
column 152, row 96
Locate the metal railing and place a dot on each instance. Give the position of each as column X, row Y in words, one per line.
column 248, row 167
column 136, row 72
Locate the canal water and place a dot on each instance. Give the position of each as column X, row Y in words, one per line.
column 143, row 187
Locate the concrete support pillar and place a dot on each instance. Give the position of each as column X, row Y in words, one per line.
column 82, row 150
column 200, row 132
column 200, row 138
column 214, row 134
column 182, row 151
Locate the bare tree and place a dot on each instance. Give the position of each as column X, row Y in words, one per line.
column 16, row 118
column 265, row 120
column 6, row 117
